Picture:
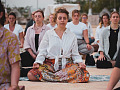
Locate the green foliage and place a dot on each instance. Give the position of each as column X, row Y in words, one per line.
column 96, row 5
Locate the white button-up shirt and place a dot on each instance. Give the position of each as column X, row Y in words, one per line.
column 98, row 33
column 30, row 37
column 51, row 46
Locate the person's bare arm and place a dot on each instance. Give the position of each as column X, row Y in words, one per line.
column 115, row 76
column 85, row 35
column 15, row 74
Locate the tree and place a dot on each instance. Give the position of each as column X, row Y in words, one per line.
column 109, row 4
column 96, row 5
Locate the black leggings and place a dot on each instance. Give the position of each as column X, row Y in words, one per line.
column 103, row 64
column 26, row 59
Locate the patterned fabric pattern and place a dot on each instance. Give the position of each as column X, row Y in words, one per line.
column 9, row 54
column 4, row 86
column 71, row 73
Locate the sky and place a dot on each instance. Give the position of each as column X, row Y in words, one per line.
column 33, row 3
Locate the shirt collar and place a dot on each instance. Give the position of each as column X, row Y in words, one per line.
column 54, row 33
column 43, row 27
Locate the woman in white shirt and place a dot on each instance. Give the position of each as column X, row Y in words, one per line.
column 81, row 32
column 84, row 18
column 58, row 58
column 52, row 23
column 15, row 28
column 103, row 24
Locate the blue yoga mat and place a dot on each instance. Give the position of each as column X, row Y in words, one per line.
column 92, row 78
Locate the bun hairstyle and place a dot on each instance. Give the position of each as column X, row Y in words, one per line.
column 2, row 19
column 61, row 10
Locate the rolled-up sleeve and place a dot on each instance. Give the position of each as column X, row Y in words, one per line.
column 101, row 44
column 42, row 49
column 75, row 54
column 20, row 29
column 27, row 41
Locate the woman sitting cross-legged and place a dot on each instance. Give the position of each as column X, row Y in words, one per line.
column 58, row 59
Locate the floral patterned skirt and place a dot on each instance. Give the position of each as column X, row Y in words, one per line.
column 71, row 73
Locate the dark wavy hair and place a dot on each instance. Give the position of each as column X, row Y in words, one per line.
column 2, row 19
column 108, row 17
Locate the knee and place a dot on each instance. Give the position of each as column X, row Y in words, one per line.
column 92, row 49
column 31, row 76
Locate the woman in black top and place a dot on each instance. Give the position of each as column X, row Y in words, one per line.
column 109, row 43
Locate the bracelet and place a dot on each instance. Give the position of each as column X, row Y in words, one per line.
column 87, row 43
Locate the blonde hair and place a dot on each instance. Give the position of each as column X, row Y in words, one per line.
column 75, row 11
column 53, row 16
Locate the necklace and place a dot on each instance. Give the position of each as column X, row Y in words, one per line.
column 37, row 28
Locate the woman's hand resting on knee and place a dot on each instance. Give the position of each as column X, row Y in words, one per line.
column 101, row 57
column 82, row 65
column 36, row 65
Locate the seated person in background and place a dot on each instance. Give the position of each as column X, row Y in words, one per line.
column 59, row 60
column 115, row 75
column 15, row 28
column 9, row 56
column 109, row 43
column 80, row 30
column 84, row 18
column 52, row 23
column 30, row 23
column 33, row 39
column 102, row 25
